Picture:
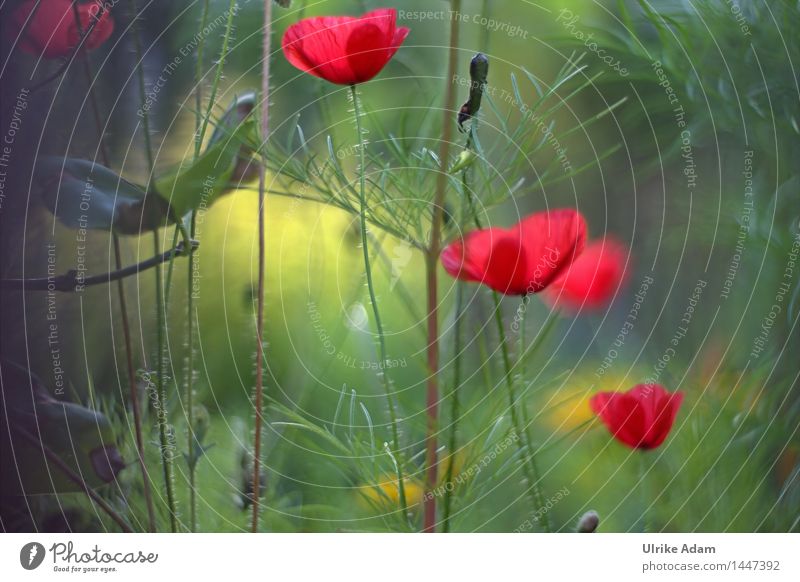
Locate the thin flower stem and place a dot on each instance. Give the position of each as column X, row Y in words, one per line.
column 193, row 445
column 198, row 80
column 642, row 461
column 384, row 373
column 529, row 466
column 454, row 395
column 126, row 329
column 262, row 177
column 161, row 389
column 431, row 264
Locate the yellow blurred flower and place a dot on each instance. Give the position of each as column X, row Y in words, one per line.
column 386, row 493
column 567, row 407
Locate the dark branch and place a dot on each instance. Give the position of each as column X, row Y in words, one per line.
column 72, row 283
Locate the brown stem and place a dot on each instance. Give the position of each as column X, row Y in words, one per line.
column 259, row 396
column 431, row 262
column 75, row 478
column 134, row 396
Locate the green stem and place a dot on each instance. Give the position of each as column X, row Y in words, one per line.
column 643, row 490
column 262, row 250
column 431, row 265
column 530, row 468
column 193, row 444
column 198, row 80
column 454, row 403
column 384, row 373
column 161, row 392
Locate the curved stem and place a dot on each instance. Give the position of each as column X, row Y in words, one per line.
column 69, row 282
column 387, row 387
column 431, row 264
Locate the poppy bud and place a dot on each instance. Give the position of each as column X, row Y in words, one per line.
column 478, row 72
column 588, row 522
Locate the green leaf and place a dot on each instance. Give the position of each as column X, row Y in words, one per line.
column 225, row 159
column 83, row 194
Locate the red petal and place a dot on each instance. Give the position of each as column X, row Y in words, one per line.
column 468, row 259
column 639, row 418
column 552, row 240
column 623, row 416
column 344, row 50
column 52, row 32
column 592, row 279
column 665, row 411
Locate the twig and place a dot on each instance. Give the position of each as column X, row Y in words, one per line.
column 70, row 282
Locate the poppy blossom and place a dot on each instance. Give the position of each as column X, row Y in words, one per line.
column 592, row 279
column 52, row 31
column 523, row 259
column 640, row 418
column 344, row 50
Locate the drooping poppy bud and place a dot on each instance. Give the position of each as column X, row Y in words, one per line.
column 588, row 522
column 523, row 259
column 640, row 418
column 478, row 73
column 106, row 462
column 344, row 50
column 592, row 279
column 52, row 31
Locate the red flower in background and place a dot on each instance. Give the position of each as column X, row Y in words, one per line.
column 592, row 279
column 52, row 31
column 523, row 259
column 344, row 50
column 640, row 418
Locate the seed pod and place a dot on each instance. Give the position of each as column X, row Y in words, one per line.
column 588, row 522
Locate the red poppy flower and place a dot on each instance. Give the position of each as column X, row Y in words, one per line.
column 343, row 49
column 640, row 418
column 53, row 32
column 523, row 259
column 592, row 279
